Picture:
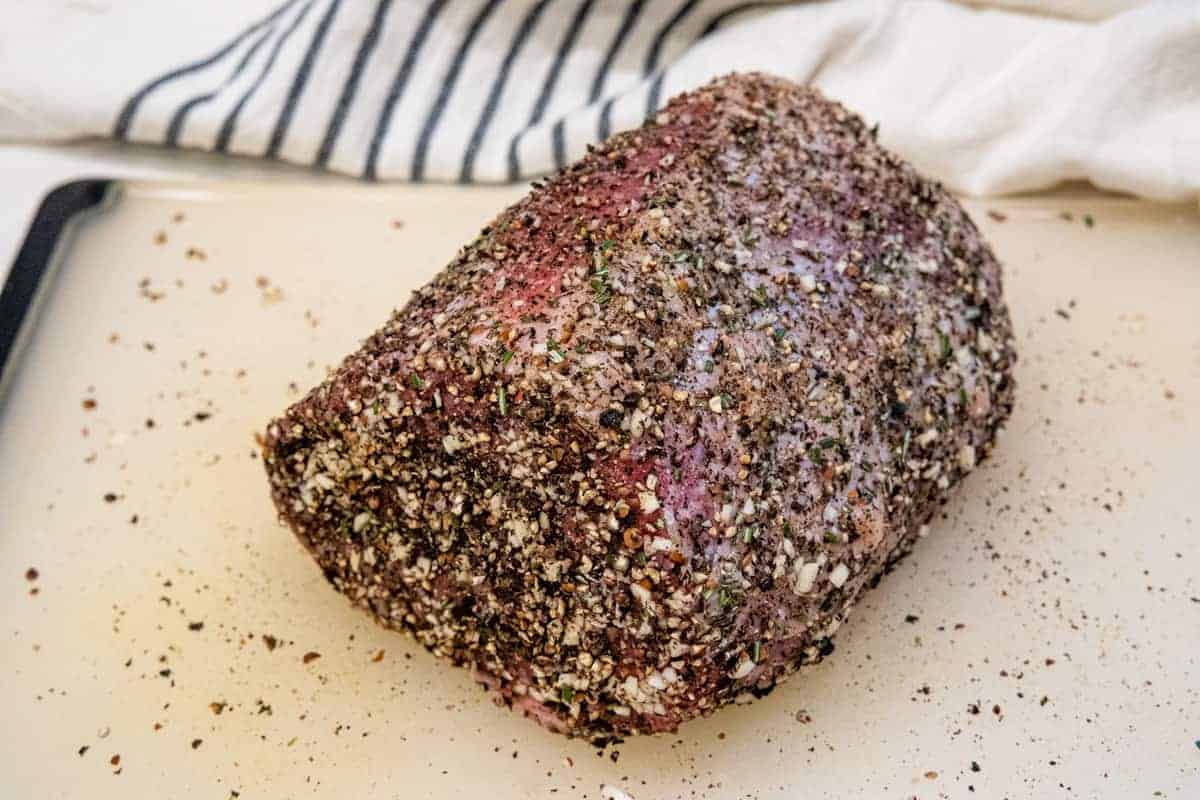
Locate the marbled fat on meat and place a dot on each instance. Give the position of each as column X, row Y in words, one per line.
column 642, row 445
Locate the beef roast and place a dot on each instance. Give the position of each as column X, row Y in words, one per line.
column 642, row 445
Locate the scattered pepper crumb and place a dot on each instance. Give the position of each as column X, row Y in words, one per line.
column 271, row 295
column 310, row 657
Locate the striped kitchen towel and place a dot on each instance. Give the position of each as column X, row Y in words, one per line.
column 990, row 100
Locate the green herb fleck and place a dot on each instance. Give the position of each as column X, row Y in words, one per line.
column 787, row 530
column 827, row 442
column 600, row 288
column 748, row 534
column 568, row 694
column 415, row 381
column 962, row 397
column 1089, row 220
column 945, row 346
column 506, row 356
column 757, row 657
column 502, row 397
column 760, row 296
column 554, row 351
column 709, row 365
column 726, row 401
column 816, row 456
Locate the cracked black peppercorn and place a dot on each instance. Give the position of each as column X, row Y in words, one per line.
column 611, row 418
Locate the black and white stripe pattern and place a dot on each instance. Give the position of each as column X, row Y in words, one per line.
column 446, row 90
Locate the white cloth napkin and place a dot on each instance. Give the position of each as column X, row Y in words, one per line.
column 989, row 100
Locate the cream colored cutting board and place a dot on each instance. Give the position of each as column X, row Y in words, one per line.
column 1047, row 631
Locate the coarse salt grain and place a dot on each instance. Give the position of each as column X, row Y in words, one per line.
column 806, row 578
column 744, row 668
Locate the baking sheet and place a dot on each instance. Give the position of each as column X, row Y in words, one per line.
column 1043, row 641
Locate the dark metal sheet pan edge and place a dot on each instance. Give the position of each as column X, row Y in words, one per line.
column 34, row 264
